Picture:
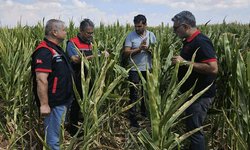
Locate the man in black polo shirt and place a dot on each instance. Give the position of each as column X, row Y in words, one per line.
column 205, row 66
column 52, row 80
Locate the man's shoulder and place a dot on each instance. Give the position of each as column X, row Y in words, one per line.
column 71, row 40
column 202, row 36
column 149, row 32
column 42, row 51
column 202, row 39
column 42, row 46
column 132, row 33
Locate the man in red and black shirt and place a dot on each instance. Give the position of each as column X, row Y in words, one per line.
column 204, row 67
column 52, row 80
column 83, row 42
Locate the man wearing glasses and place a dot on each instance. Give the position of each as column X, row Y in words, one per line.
column 204, row 67
column 83, row 43
column 137, row 46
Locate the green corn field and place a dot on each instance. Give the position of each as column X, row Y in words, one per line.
column 104, row 116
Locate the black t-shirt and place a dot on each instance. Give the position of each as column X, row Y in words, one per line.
column 205, row 53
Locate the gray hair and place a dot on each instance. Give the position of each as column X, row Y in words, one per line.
column 185, row 17
column 86, row 23
column 53, row 24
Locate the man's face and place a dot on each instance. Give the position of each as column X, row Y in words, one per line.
column 179, row 30
column 87, row 34
column 140, row 28
column 61, row 34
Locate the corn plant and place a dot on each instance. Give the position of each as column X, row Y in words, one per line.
column 15, row 80
column 20, row 124
column 165, row 106
column 239, row 86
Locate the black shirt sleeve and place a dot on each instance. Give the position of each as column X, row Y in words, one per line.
column 42, row 60
column 206, row 50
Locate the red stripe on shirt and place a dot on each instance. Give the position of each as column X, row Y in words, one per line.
column 54, row 85
column 193, row 36
column 42, row 70
column 209, row 60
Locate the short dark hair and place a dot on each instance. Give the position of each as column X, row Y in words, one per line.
column 53, row 24
column 140, row 18
column 185, row 17
column 86, row 23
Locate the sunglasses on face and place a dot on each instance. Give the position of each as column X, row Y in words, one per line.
column 175, row 28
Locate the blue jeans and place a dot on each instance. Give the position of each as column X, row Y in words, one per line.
column 198, row 110
column 52, row 125
column 135, row 78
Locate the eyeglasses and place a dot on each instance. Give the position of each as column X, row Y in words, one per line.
column 90, row 33
column 175, row 28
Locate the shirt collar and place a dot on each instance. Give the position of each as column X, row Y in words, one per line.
column 45, row 39
column 82, row 40
column 194, row 35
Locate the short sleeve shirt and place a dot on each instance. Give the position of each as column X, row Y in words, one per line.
column 43, row 59
column 205, row 53
column 49, row 57
column 133, row 40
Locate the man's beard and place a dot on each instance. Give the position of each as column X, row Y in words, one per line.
column 140, row 32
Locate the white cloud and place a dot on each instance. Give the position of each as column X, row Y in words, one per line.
column 134, row 13
column 198, row 4
column 79, row 4
column 51, row 0
column 141, row 9
column 11, row 12
column 76, row 10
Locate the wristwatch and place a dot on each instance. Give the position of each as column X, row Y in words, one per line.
column 185, row 62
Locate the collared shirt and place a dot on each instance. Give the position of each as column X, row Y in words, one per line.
column 84, row 47
column 204, row 54
column 49, row 57
column 81, row 44
column 133, row 40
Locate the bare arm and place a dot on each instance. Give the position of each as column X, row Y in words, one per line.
column 203, row 67
column 76, row 59
column 129, row 51
column 42, row 92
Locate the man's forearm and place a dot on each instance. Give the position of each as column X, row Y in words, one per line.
column 42, row 92
column 205, row 68
column 131, row 52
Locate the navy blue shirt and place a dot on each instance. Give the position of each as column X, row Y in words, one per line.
column 205, row 53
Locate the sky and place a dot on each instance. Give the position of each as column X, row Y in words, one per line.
column 30, row 12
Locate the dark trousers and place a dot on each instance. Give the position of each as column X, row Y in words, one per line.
column 74, row 113
column 198, row 110
column 135, row 78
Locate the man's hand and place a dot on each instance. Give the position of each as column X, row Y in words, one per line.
column 44, row 110
column 143, row 45
column 107, row 53
column 174, row 59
